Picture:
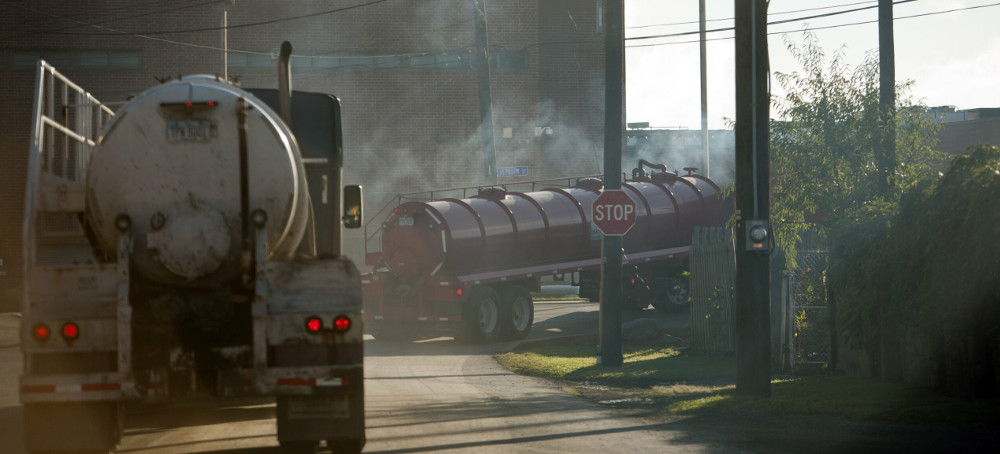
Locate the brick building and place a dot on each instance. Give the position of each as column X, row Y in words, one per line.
column 404, row 71
column 962, row 129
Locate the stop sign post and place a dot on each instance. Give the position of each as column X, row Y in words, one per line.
column 613, row 212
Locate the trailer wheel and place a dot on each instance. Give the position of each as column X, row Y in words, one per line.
column 517, row 314
column 670, row 294
column 481, row 316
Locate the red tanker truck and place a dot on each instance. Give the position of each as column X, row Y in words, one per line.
column 467, row 266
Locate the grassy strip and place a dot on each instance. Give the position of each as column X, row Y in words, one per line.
column 838, row 395
column 677, row 382
column 574, row 358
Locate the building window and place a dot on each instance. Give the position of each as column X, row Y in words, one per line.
column 403, row 62
column 123, row 59
column 78, row 59
column 509, row 61
column 93, row 59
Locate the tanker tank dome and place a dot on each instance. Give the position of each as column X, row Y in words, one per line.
column 590, row 184
column 170, row 161
column 494, row 193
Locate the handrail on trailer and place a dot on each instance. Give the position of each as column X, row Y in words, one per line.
column 89, row 116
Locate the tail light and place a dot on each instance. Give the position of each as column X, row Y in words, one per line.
column 314, row 324
column 41, row 332
column 342, row 323
column 458, row 292
column 70, row 331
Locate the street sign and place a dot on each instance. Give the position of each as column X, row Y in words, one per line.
column 613, row 212
column 519, row 171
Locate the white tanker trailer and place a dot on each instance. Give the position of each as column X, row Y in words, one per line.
column 185, row 247
column 171, row 162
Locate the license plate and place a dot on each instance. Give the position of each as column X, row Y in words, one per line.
column 405, row 220
column 190, row 131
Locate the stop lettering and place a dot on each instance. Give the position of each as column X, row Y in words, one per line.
column 613, row 212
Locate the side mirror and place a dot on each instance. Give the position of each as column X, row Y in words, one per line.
column 352, row 206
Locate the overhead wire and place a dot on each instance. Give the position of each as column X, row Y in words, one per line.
column 540, row 44
column 826, row 27
column 814, row 28
column 769, row 14
column 90, row 10
column 231, row 27
column 778, row 22
column 80, row 24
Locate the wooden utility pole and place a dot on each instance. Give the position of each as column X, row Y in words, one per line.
column 753, row 235
column 610, row 333
column 889, row 346
column 704, row 87
column 485, row 93
column 887, row 97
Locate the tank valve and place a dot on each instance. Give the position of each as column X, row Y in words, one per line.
column 259, row 218
column 123, row 222
column 157, row 221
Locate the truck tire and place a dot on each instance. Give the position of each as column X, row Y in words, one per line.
column 481, row 316
column 517, row 313
column 670, row 294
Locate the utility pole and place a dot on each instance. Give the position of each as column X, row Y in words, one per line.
column 887, row 97
column 485, row 93
column 889, row 347
column 753, row 230
column 610, row 333
column 704, row 86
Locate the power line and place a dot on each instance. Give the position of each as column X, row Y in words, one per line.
column 784, row 21
column 912, row 16
column 26, row 33
column 130, row 6
column 207, row 29
column 769, row 14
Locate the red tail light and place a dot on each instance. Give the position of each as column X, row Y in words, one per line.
column 41, row 332
column 314, row 324
column 70, row 331
column 342, row 323
column 633, row 281
column 458, row 292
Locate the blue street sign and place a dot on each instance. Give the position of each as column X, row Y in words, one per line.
column 512, row 171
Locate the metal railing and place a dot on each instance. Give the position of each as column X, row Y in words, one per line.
column 66, row 122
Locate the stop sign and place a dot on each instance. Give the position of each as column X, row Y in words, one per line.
column 613, row 212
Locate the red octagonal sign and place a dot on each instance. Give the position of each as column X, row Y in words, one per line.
column 613, row 212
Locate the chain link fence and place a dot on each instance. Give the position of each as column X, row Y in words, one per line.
column 806, row 327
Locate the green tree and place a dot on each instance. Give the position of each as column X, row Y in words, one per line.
column 825, row 140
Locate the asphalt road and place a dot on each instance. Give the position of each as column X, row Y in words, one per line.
column 434, row 395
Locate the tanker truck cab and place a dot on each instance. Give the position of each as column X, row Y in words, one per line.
column 191, row 251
